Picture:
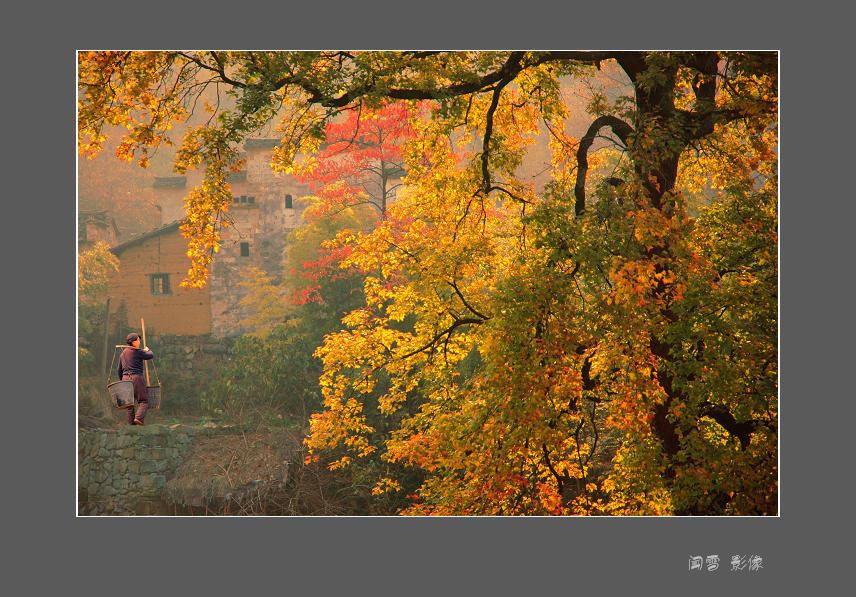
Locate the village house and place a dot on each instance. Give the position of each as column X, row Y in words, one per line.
column 95, row 226
column 264, row 211
column 151, row 266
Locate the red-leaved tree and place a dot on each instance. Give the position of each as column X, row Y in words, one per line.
column 362, row 162
column 354, row 177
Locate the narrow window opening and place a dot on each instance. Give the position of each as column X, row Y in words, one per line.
column 160, row 284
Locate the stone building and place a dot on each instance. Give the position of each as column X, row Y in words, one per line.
column 94, row 226
column 264, row 211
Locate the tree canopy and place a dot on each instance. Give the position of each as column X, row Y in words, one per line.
column 584, row 348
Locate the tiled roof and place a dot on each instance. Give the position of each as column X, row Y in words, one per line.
column 144, row 237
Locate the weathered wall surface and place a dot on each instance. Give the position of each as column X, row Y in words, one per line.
column 180, row 311
column 170, row 193
column 263, row 226
column 263, row 213
column 124, row 471
column 177, row 354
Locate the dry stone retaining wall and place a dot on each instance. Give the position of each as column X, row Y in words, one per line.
column 124, row 471
column 189, row 354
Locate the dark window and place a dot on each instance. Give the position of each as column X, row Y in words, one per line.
column 251, row 199
column 160, row 284
column 288, row 203
column 245, row 249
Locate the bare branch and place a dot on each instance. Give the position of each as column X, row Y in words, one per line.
column 448, row 331
column 466, row 304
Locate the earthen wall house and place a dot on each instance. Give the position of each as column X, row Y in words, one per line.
column 264, row 211
column 151, row 267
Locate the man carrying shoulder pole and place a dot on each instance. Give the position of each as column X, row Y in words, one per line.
column 131, row 368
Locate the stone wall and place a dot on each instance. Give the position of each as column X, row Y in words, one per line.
column 262, row 228
column 124, row 471
column 184, row 365
column 202, row 354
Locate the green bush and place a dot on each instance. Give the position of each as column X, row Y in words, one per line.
column 267, row 379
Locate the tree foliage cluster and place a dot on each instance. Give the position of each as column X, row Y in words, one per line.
column 94, row 267
column 585, row 349
column 272, row 373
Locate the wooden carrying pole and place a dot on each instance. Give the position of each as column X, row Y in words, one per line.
column 145, row 363
column 106, row 336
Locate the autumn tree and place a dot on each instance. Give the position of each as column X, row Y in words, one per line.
column 354, row 177
column 539, row 318
column 94, row 267
column 274, row 365
column 362, row 160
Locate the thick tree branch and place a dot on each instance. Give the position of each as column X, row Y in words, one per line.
column 488, row 131
column 622, row 131
column 560, row 480
column 741, row 430
column 509, row 70
column 466, row 304
column 448, row 331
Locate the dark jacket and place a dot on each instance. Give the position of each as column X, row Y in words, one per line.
column 131, row 361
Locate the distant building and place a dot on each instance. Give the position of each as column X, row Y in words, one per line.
column 94, row 226
column 151, row 266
